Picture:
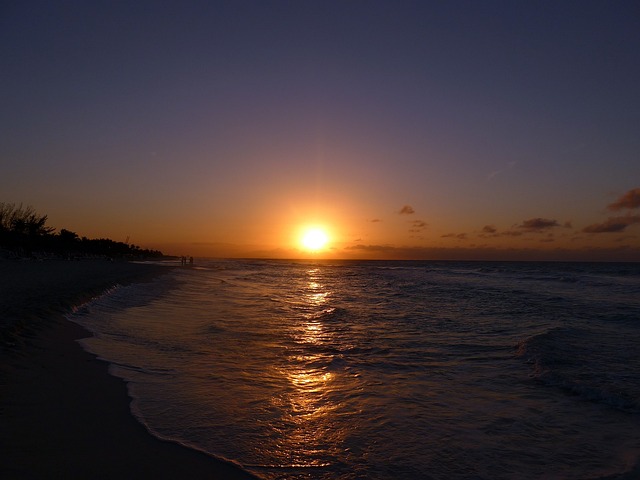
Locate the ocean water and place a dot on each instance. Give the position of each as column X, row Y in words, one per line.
column 385, row 370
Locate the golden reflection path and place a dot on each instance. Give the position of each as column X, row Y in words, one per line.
column 313, row 435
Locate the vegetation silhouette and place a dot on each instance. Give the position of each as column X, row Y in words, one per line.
column 24, row 233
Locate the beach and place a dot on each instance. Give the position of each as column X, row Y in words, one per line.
column 61, row 414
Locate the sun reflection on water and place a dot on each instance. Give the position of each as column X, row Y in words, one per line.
column 307, row 403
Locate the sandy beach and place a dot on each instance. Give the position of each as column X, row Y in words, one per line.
column 61, row 414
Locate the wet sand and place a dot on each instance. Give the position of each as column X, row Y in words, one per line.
column 61, row 414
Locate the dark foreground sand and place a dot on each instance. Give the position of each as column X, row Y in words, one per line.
column 61, row 414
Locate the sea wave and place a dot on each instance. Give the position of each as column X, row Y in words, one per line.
column 385, row 370
column 593, row 366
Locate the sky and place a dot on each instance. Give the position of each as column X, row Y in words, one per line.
column 486, row 130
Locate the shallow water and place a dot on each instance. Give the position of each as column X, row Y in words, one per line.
column 380, row 370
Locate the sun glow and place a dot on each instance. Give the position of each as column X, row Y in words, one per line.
column 314, row 239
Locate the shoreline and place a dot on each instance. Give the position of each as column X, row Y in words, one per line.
column 62, row 415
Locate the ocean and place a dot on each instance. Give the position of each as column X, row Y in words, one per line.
column 385, row 370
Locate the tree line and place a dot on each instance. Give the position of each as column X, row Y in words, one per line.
column 25, row 233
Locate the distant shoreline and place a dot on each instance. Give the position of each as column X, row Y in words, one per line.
column 63, row 415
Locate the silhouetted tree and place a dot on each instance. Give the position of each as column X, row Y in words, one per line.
column 22, row 220
column 23, row 230
column 67, row 236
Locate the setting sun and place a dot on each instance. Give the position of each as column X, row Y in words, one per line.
column 314, row 239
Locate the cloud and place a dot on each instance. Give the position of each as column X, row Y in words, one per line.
column 538, row 224
column 533, row 225
column 495, row 173
column 459, row 236
column 371, row 248
column 612, row 224
column 631, row 199
column 376, row 220
column 407, row 210
column 623, row 253
column 548, row 238
column 625, row 238
column 511, row 233
column 417, row 226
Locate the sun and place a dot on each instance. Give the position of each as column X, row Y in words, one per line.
column 314, row 239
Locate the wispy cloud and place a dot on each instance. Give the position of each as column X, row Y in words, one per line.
column 495, row 173
column 371, row 248
column 630, row 200
column 407, row 210
column 459, row 236
column 483, row 252
column 538, row 224
column 612, row 224
column 511, row 233
column 376, row 220
column 548, row 239
column 532, row 225
column 418, row 226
